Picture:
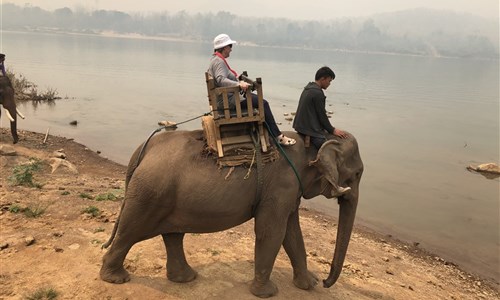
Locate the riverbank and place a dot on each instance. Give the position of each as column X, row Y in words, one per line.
column 50, row 240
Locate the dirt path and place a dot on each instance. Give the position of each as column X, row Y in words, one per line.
column 59, row 251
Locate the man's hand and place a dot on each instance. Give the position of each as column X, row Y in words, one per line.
column 340, row 133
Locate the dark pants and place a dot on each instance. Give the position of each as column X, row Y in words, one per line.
column 317, row 142
column 268, row 115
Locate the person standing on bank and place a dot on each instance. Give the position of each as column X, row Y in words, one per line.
column 310, row 118
column 224, row 76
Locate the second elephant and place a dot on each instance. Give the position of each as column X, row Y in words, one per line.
column 8, row 102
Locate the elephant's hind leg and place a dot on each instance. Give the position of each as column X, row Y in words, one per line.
column 178, row 270
column 112, row 269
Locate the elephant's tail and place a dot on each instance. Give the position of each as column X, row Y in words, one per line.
column 137, row 157
column 115, row 228
column 130, row 172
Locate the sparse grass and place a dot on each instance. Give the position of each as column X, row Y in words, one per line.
column 99, row 229
column 86, row 196
column 35, row 210
column 23, row 174
column 64, row 193
column 43, row 294
column 15, row 208
column 106, row 197
column 92, row 210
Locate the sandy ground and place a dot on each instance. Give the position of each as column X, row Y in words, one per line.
column 60, row 250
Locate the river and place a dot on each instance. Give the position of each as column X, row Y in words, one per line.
column 419, row 121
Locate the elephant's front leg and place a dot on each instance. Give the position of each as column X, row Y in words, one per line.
column 178, row 270
column 10, row 109
column 13, row 129
column 294, row 247
column 269, row 234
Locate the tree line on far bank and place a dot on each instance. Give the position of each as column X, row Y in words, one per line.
column 415, row 32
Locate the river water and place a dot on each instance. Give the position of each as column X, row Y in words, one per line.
column 419, row 121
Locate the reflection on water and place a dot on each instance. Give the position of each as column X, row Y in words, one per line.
column 411, row 116
column 44, row 104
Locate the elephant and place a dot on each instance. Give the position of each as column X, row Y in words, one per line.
column 176, row 189
column 9, row 104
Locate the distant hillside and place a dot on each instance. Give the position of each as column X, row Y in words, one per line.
column 415, row 32
column 445, row 30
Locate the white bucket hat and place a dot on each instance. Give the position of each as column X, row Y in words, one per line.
column 222, row 40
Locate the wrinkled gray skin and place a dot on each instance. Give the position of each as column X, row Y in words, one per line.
column 177, row 190
column 7, row 101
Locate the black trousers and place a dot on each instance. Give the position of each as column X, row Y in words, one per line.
column 268, row 115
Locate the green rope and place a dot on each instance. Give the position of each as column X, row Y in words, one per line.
column 260, row 180
column 286, row 157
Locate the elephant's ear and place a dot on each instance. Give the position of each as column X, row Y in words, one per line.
column 328, row 161
column 325, row 150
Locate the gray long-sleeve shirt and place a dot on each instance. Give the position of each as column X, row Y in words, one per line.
column 223, row 78
column 310, row 118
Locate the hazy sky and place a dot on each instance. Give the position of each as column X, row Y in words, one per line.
column 292, row 9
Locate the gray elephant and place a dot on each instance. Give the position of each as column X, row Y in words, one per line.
column 176, row 189
column 8, row 102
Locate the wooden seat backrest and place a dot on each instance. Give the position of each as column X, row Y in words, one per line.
column 236, row 115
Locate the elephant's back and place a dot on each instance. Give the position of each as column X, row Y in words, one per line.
column 174, row 164
column 176, row 143
column 170, row 149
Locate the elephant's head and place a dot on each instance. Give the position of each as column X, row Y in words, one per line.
column 339, row 164
column 7, row 101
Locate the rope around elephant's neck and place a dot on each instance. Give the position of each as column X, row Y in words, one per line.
column 287, row 159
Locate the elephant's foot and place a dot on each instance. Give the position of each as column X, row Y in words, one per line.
column 187, row 274
column 264, row 290
column 114, row 276
column 306, row 282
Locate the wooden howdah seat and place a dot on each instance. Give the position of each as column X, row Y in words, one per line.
column 232, row 128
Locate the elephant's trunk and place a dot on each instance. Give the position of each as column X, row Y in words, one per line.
column 347, row 212
column 20, row 114
column 9, row 116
